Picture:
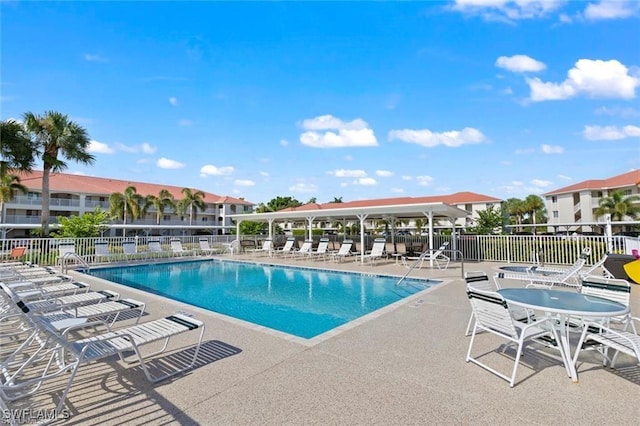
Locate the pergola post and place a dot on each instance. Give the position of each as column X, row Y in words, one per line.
column 429, row 216
column 270, row 222
column 310, row 220
column 362, row 218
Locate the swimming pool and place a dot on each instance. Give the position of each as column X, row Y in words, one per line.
column 297, row 301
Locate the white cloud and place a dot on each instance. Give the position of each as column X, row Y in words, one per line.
column 593, row 78
column 424, row 180
column 407, row 177
column 165, row 163
column 91, row 57
column 564, row 177
column 429, row 139
column 244, row 182
column 134, row 149
column 366, row 181
column 99, row 148
column 303, row 187
column 541, row 183
column 384, row 173
column 610, row 133
column 173, row 100
column 210, row 170
column 185, row 122
column 618, row 111
column 265, row 174
column 610, row 9
column 397, row 190
column 520, row 63
column 507, row 10
column 284, row 142
column 552, row 149
column 327, row 131
column 348, row 173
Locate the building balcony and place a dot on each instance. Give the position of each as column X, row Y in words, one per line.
column 24, row 219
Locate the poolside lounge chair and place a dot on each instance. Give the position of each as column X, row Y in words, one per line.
column 322, row 250
column 102, row 253
column 345, row 251
column 130, row 249
column 305, row 250
column 287, row 248
column 569, row 277
column 71, row 301
column 178, row 250
column 71, row 316
column 437, row 256
column 266, row 249
column 49, row 291
column 205, row 247
column 492, row 315
column 68, row 356
column 377, row 251
column 601, row 337
column 156, row 250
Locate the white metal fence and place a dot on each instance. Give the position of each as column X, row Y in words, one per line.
column 552, row 250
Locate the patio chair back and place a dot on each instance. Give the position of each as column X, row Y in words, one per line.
column 306, row 247
column 288, row 245
column 617, row 290
column 66, row 248
column 129, row 247
column 378, row 247
column 204, row 244
column 154, row 246
column 323, row 245
column 345, row 248
column 102, row 249
column 491, row 312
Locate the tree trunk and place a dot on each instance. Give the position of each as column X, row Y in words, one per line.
column 4, row 230
column 45, row 200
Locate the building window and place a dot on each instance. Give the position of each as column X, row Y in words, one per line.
column 205, row 219
column 166, row 217
column 554, row 199
column 555, row 214
column 627, row 192
column 220, row 219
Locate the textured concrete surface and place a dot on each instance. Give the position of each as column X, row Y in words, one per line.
column 404, row 366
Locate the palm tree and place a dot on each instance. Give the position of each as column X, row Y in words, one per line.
column 192, row 201
column 56, row 136
column 160, row 202
column 619, row 206
column 533, row 205
column 128, row 204
column 516, row 210
column 337, row 200
column 9, row 185
column 17, row 148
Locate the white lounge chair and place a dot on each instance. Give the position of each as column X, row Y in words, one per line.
column 178, row 250
column 537, row 278
column 492, row 315
column 72, row 316
column 437, row 256
column 156, row 250
column 266, row 249
column 377, row 251
column 287, row 248
column 130, row 250
column 600, row 337
column 67, row 356
column 102, row 252
column 322, row 249
column 205, row 247
column 344, row 252
column 305, row 250
column 71, row 301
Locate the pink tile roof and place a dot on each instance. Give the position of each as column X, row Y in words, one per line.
column 452, row 199
column 620, row 181
column 63, row 182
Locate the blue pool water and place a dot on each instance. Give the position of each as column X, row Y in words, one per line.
column 297, row 301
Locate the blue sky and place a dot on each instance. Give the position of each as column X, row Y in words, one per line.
column 356, row 100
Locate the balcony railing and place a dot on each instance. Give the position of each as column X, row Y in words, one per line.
column 23, row 219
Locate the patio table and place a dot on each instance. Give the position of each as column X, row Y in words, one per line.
column 564, row 304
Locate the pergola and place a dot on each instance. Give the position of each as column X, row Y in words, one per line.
column 391, row 213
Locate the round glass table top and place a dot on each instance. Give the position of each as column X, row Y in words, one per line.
column 562, row 301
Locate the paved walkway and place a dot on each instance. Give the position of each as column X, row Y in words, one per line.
column 405, row 366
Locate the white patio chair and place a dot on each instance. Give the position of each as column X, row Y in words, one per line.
column 479, row 280
column 287, row 248
column 344, row 252
column 266, row 249
column 618, row 290
column 130, row 249
column 102, row 252
column 492, row 315
column 597, row 336
column 178, row 250
column 205, row 247
column 322, row 250
column 547, row 278
column 304, row 251
column 377, row 251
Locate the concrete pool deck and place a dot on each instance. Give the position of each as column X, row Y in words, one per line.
column 404, row 366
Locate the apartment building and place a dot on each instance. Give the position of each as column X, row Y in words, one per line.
column 76, row 194
column 577, row 203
